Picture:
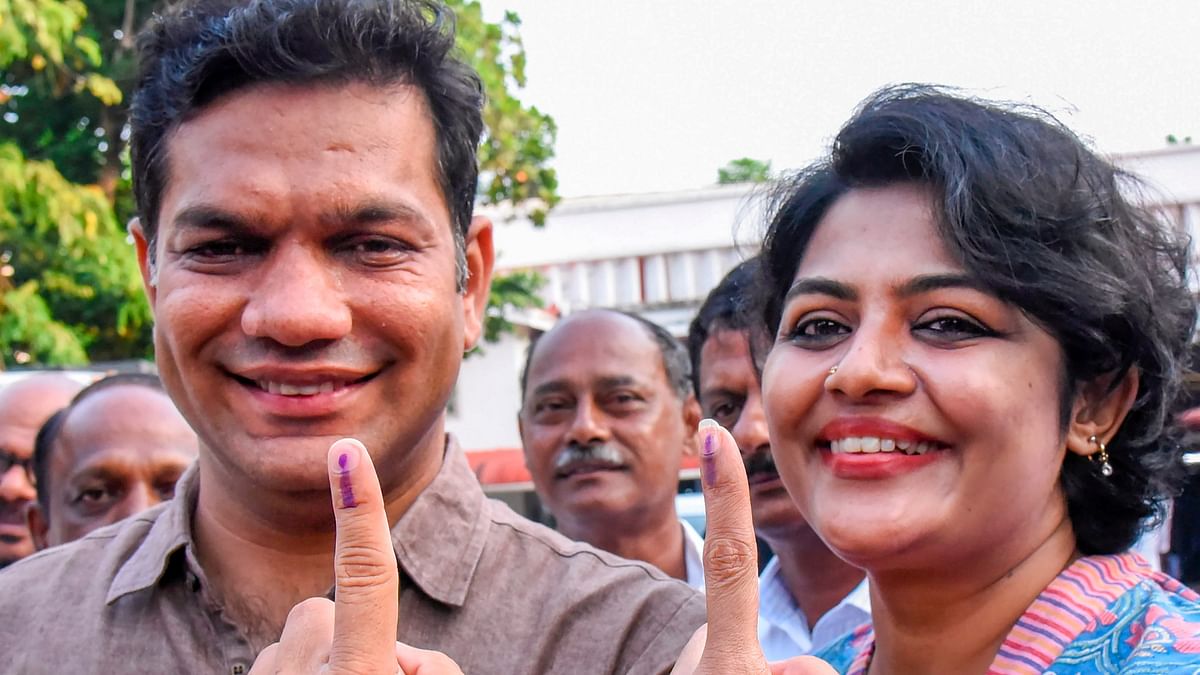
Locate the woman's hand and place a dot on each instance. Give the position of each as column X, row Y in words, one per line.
column 728, row 644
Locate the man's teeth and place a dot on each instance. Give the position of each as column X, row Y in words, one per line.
column 285, row 389
column 870, row 444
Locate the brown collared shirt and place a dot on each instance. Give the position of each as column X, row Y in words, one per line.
column 496, row 592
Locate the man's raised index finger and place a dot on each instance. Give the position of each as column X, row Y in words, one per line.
column 366, row 600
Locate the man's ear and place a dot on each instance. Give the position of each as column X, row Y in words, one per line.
column 1098, row 411
column 480, row 256
column 691, row 420
column 38, row 527
column 147, row 268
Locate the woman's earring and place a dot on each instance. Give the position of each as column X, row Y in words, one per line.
column 1106, row 469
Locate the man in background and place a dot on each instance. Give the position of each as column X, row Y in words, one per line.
column 24, row 406
column 607, row 415
column 807, row 595
column 115, row 451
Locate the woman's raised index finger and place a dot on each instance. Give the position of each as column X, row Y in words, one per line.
column 730, row 551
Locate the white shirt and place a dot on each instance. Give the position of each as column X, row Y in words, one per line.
column 783, row 630
column 693, row 556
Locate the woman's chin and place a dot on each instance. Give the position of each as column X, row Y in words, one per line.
column 870, row 545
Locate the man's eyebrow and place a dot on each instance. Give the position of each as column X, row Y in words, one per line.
column 821, row 286
column 615, row 381
column 713, row 392
column 208, row 217
column 552, row 387
column 373, row 211
column 934, row 282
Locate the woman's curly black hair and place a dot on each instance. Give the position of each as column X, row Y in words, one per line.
column 1049, row 226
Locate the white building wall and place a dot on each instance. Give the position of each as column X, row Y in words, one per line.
column 483, row 413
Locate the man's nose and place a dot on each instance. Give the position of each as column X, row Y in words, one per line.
column 587, row 426
column 15, row 486
column 875, row 364
column 750, row 429
column 301, row 299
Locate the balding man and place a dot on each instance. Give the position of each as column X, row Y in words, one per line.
column 606, row 418
column 24, row 406
column 115, row 451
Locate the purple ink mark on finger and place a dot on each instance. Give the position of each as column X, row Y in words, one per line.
column 709, row 469
column 708, row 458
column 347, row 489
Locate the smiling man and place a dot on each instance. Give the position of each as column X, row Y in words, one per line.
column 305, row 175
column 606, row 419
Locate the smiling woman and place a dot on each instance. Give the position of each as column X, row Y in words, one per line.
column 978, row 343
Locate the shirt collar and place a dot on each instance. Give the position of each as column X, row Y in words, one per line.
column 438, row 541
column 693, row 556
column 171, row 530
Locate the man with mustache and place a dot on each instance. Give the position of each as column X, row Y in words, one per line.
column 305, row 174
column 606, row 418
column 808, row 596
column 24, row 406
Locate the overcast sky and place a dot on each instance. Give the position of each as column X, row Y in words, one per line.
column 654, row 95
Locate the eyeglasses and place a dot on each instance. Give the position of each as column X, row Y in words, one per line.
column 9, row 460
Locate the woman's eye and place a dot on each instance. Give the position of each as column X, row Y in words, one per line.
column 953, row 328
column 819, row 332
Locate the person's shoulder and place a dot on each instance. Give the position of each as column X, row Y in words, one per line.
column 842, row 653
column 73, row 570
column 562, row 556
column 581, row 590
column 1165, row 628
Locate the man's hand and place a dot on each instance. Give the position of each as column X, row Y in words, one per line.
column 728, row 645
column 355, row 634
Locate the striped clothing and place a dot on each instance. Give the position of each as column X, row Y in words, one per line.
column 1103, row 614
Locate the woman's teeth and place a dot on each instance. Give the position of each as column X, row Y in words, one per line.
column 870, row 444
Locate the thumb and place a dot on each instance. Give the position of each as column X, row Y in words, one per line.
column 730, row 559
column 366, row 601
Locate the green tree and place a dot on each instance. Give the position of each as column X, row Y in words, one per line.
column 71, row 289
column 744, row 170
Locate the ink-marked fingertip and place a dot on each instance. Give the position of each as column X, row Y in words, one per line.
column 345, row 454
column 708, row 431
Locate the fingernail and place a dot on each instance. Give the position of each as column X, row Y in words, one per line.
column 348, row 453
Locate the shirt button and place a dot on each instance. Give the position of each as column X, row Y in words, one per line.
column 239, row 669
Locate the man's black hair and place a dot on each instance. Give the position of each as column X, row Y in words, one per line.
column 198, row 51
column 731, row 305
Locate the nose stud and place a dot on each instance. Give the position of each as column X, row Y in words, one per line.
column 833, row 371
